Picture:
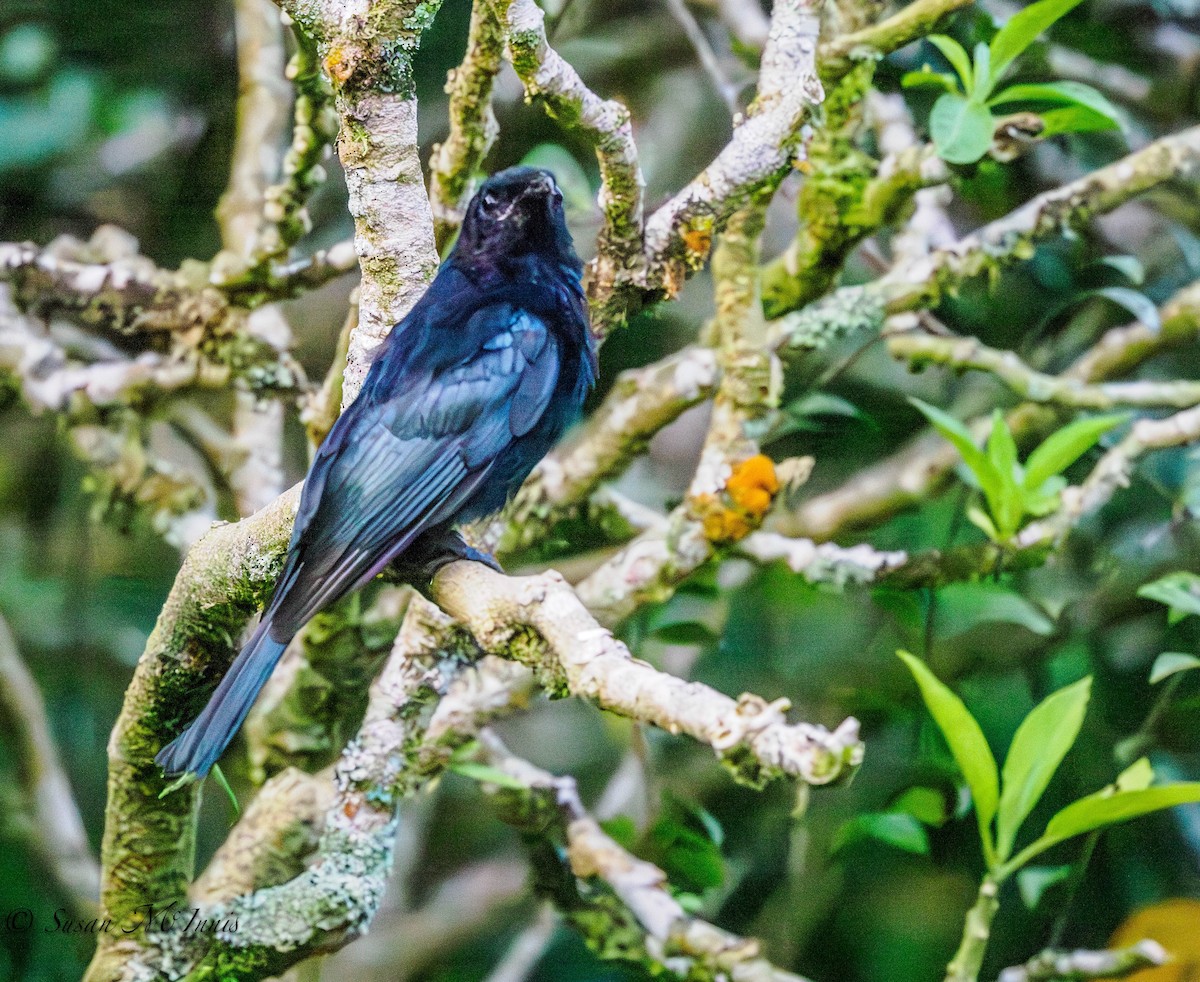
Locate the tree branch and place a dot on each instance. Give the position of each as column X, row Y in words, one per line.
column 606, row 124
column 54, row 827
column 621, row 904
column 454, row 162
column 571, row 654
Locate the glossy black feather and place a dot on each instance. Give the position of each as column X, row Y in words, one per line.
column 465, row 396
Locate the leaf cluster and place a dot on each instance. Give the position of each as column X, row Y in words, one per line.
column 965, row 115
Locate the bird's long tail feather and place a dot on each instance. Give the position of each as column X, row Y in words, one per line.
column 198, row 747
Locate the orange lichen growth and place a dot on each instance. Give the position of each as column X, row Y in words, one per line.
column 753, row 484
column 338, row 64
column 724, row 524
column 747, row 496
column 697, row 241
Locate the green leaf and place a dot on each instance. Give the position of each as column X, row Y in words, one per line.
column 622, row 830
column 956, row 54
column 1059, row 93
column 1007, row 507
column 223, row 782
column 1136, row 777
column 964, row 606
column 1039, row 746
column 1001, row 447
column 1128, row 266
column 975, row 459
column 967, row 745
column 1073, row 119
column 927, row 76
column 485, row 774
column 982, row 84
column 896, row 829
column 684, row 632
column 806, row 412
column 1065, row 446
column 685, row 842
column 1034, row 881
column 1138, row 304
column 1023, row 28
column 980, row 519
column 1095, row 812
column 927, row 805
column 961, row 129
column 1180, row 592
column 1172, row 663
column 1046, row 498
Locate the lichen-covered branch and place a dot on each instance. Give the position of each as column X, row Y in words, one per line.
column 367, row 54
column 272, row 913
column 284, row 280
column 262, row 103
column 1113, row 472
column 966, row 352
column 921, row 283
column 572, row 654
column 127, row 295
column 107, row 288
column 315, row 700
column 1079, row 966
column 822, row 562
column 734, row 484
column 847, row 194
column 621, row 904
column 914, row 20
column 606, row 124
column 455, row 161
column 263, row 98
column 148, row 844
column 924, row 465
column 52, row 823
column 680, row 233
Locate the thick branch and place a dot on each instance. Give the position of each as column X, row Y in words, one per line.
column 606, row 124
column 571, row 653
column 924, row 281
column 679, row 234
column 455, row 161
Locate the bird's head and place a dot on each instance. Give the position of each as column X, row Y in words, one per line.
column 517, row 211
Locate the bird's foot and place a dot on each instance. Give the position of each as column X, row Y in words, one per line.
column 422, row 560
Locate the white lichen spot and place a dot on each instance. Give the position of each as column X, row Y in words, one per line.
column 695, row 374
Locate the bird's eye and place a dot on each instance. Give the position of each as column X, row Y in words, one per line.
column 490, row 202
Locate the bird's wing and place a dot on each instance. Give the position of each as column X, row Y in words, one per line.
column 393, row 469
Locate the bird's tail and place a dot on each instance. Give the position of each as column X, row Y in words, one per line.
column 198, row 747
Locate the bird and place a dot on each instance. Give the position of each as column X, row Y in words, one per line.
column 461, row 400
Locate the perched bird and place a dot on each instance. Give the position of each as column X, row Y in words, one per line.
column 468, row 392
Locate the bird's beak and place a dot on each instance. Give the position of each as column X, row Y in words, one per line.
column 542, row 185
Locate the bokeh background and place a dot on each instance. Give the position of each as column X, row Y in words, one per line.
column 124, row 112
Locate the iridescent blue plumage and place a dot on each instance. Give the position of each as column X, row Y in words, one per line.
column 466, row 395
